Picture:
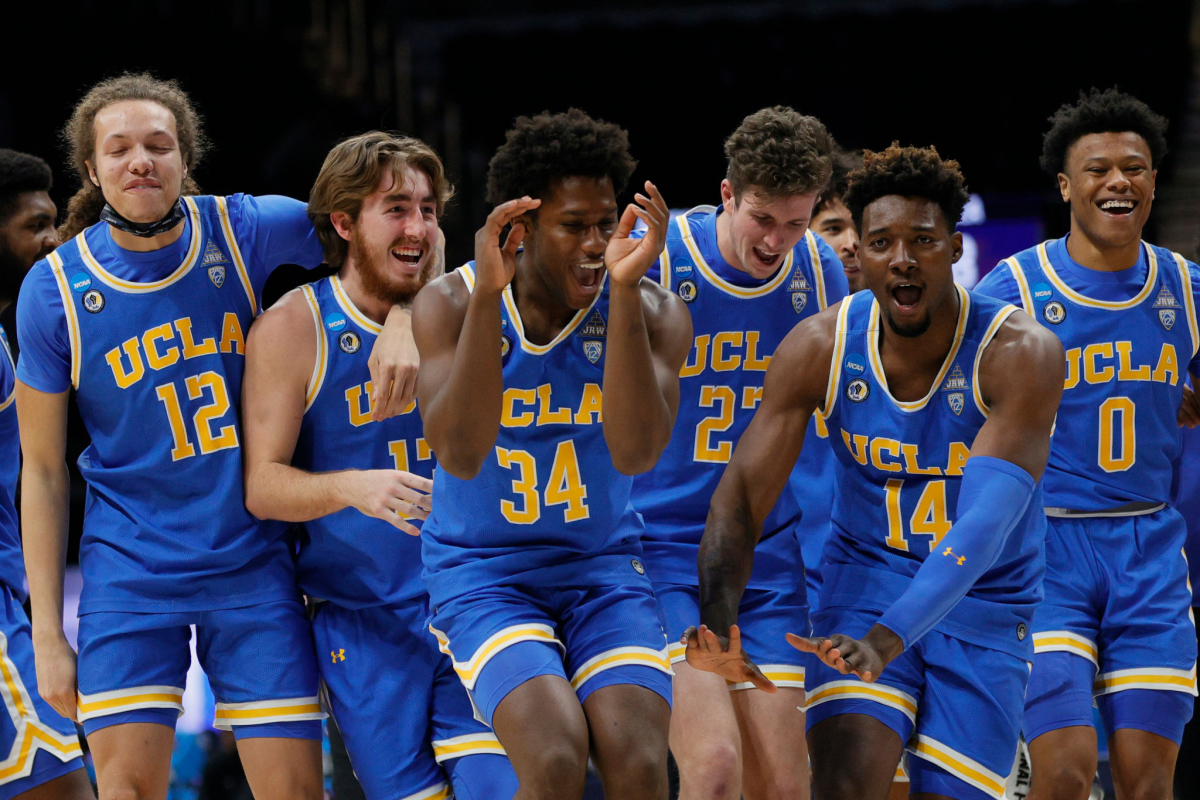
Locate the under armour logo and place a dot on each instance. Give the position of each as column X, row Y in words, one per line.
column 338, row 655
column 950, row 552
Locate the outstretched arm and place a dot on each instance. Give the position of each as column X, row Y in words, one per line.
column 1021, row 377
column 280, row 353
column 753, row 480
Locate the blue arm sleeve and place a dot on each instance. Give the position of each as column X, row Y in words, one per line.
column 992, row 499
column 273, row 230
column 1000, row 284
column 45, row 359
column 836, row 285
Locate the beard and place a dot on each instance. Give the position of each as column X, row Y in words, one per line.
column 375, row 279
column 12, row 272
column 912, row 330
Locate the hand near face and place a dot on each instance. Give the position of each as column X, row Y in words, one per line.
column 628, row 259
column 496, row 263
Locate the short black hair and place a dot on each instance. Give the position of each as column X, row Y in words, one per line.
column 844, row 162
column 908, row 172
column 1108, row 111
column 547, row 147
column 20, row 173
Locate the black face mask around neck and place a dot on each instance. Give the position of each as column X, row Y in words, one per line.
column 144, row 230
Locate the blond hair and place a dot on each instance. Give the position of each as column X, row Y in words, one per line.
column 351, row 173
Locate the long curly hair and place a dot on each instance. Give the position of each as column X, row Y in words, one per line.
column 79, row 138
column 908, row 172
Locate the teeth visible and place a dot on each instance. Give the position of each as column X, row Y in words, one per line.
column 407, row 251
column 592, row 265
column 1117, row 204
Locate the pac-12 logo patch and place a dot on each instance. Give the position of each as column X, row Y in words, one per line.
column 349, row 342
column 799, row 301
column 637, row 566
column 93, row 301
column 80, row 282
column 687, row 290
column 855, row 364
column 957, row 401
column 593, row 350
column 1167, row 317
column 217, row 276
column 335, row 321
column 1054, row 312
column 858, row 390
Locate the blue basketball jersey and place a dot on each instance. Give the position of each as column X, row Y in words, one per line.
column 1117, row 438
column 736, row 329
column 900, row 470
column 157, row 367
column 12, row 566
column 347, row 557
column 548, row 505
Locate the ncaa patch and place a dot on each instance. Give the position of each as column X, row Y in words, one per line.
column 593, row 350
column 858, row 390
column 799, row 301
column 682, row 267
column 1167, row 317
column 957, row 402
column 93, row 301
column 1054, row 312
column 335, row 321
column 855, row 364
column 217, row 276
column 1042, row 291
column 688, row 291
column 349, row 342
column 80, row 282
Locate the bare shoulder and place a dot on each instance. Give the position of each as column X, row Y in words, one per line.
column 289, row 318
column 441, row 306
column 283, row 341
column 1024, row 357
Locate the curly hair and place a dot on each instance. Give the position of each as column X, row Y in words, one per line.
column 844, row 162
column 351, row 173
column 79, row 137
column 20, row 173
column 547, row 147
column 1108, row 111
column 779, row 152
column 908, row 172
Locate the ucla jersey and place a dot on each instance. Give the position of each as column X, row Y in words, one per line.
column 548, row 496
column 12, row 567
column 157, row 369
column 1126, row 366
column 736, row 330
column 900, row 469
column 347, row 557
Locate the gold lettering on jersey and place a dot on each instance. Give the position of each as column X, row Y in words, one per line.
column 697, row 366
column 752, row 396
column 207, row 347
column 959, row 453
column 1093, row 364
column 753, row 363
column 358, row 415
column 890, row 455
column 509, row 418
column 727, row 353
column 157, row 360
column 517, row 407
column 878, row 446
column 721, row 362
column 591, row 404
column 910, row 462
column 136, row 370
column 159, row 345
column 232, row 340
column 858, row 449
column 561, row 416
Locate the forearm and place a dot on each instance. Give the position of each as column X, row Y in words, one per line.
column 283, row 492
column 637, row 420
column 462, row 420
column 44, row 510
column 725, row 561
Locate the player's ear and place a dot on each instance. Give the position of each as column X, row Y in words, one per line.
column 342, row 223
column 956, row 246
column 1064, row 187
column 728, row 197
column 92, row 173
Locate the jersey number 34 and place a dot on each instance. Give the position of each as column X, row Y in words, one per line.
column 564, row 486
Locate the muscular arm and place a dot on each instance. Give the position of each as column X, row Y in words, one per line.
column 280, row 353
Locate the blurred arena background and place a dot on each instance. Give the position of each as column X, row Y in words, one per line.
column 279, row 81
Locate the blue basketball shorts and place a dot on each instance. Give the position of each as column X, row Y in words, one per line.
column 592, row 636
column 37, row 744
column 764, row 616
column 406, row 719
column 1116, row 626
column 258, row 659
column 956, row 706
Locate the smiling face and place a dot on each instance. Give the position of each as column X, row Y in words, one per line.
column 568, row 235
column 907, row 254
column 762, row 229
column 137, row 162
column 1109, row 182
column 393, row 242
column 835, row 225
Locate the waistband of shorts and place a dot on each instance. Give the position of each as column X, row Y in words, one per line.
column 1006, row 627
column 1135, row 509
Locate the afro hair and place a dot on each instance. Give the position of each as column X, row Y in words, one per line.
column 20, row 173
column 547, row 147
column 1108, row 111
column 844, row 162
column 908, row 172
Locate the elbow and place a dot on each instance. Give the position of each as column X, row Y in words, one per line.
column 463, row 466
column 635, row 461
column 257, row 501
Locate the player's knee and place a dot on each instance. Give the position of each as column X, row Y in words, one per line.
column 638, row 770
column 557, row 769
column 714, row 767
column 1066, row 779
column 1154, row 784
column 840, row 784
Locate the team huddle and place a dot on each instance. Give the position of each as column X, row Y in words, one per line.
column 758, row 484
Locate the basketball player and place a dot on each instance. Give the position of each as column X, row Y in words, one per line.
column 142, row 310
column 940, row 404
column 41, row 750
column 1115, row 625
column 831, row 219
column 314, row 456
column 548, row 376
column 748, row 270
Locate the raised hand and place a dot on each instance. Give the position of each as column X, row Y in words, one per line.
column 628, row 259
column 706, row 651
column 846, row 655
column 387, row 494
column 496, row 263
